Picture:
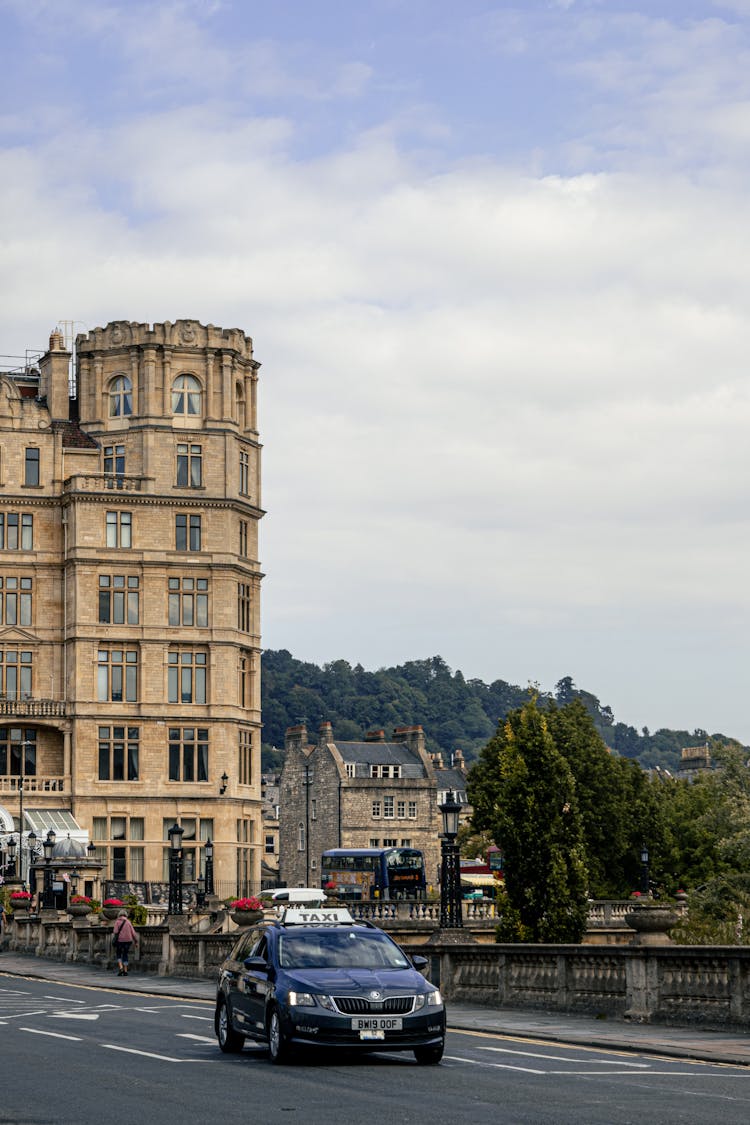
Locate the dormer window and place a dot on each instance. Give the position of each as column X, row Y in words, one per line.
column 186, row 396
column 120, row 397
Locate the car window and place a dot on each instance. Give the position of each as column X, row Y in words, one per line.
column 332, row 949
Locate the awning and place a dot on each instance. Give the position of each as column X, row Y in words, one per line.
column 480, row 880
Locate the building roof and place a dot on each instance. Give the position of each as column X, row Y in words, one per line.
column 72, row 436
column 451, row 779
column 383, row 754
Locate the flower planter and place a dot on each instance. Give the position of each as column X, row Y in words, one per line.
column 78, row 909
column 246, row 917
column 111, row 912
column 651, row 923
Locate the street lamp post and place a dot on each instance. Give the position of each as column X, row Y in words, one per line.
column 21, row 778
column 175, row 869
column 209, row 850
column 11, row 847
column 644, row 869
column 451, row 917
column 48, row 897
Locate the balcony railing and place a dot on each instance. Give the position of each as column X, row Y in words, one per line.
column 104, row 482
column 32, row 783
column 24, row 707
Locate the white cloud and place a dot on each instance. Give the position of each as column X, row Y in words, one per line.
column 505, row 413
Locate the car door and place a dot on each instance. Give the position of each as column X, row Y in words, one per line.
column 255, row 985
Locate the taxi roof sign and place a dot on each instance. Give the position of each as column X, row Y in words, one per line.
column 315, row 916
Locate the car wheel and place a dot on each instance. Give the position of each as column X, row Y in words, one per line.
column 278, row 1044
column 230, row 1041
column 428, row 1056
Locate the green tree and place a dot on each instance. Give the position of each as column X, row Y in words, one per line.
column 523, row 792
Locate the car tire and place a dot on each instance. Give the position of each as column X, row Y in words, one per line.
column 230, row 1041
column 278, row 1044
column 429, row 1056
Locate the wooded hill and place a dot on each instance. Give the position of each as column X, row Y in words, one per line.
column 455, row 712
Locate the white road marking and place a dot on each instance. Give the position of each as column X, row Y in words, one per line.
column 148, row 1054
column 197, row 1038
column 51, row 1034
column 74, row 1015
column 494, row 1066
column 560, row 1058
column 24, row 1015
column 65, row 999
column 208, row 1019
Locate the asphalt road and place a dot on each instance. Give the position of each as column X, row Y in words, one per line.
column 74, row 1056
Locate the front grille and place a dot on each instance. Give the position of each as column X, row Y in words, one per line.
column 360, row 1005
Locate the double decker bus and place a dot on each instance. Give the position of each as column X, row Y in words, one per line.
column 368, row 873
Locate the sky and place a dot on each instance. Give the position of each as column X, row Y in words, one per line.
column 495, row 261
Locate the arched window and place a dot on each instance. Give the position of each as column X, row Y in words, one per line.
column 186, row 396
column 120, row 397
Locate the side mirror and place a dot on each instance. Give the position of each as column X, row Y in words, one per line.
column 255, row 963
column 419, row 962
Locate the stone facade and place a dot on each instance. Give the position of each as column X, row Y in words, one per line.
column 374, row 793
column 132, row 672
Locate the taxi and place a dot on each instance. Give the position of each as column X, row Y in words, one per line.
column 313, row 977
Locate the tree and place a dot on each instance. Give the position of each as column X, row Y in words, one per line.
column 523, row 792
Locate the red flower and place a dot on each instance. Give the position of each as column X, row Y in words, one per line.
column 251, row 903
column 113, row 902
column 20, row 896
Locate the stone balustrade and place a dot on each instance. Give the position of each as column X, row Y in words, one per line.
column 32, row 783
column 31, row 708
column 681, row 985
column 101, row 482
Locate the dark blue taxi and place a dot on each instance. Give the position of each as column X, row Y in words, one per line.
column 315, row 978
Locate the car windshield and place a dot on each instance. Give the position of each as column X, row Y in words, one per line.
column 339, row 949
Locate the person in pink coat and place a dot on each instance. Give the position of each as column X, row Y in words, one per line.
column 125, row 936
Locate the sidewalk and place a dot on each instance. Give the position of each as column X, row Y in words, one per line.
column 673, row 1042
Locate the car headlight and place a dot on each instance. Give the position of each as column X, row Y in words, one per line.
column 301, row 1000
column 430, row 999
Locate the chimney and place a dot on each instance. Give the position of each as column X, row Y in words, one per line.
column 295, row 737
column 412, row 736
column 459, row 762
column 375, row 736
column 437, row 760
column 325, row 734
column 54, row 368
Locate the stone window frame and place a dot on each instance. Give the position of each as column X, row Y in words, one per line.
column 186, row 387
column 108, row 741
column 120, row 396
column 16, row 531
column 188, row 530
column 16, row 601
column 118, row 527
column 189, row 746
column 32, row 466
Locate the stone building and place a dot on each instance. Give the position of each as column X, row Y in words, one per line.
column 369, row 794
column 130, row 594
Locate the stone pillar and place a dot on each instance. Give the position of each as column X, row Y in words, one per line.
column 641, row 987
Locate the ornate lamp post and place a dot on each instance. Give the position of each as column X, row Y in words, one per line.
column 11, row 848
column 209, row 853
column 644, row 869
column 48, row 896
column 175, row 869
column 451, row 917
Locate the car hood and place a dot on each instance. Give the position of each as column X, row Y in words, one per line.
column 356, row 980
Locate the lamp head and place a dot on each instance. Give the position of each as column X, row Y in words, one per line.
column 175, row 837
column 450, row 810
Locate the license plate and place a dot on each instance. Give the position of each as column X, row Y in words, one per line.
column 377, row 1023
column 370, row 1035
